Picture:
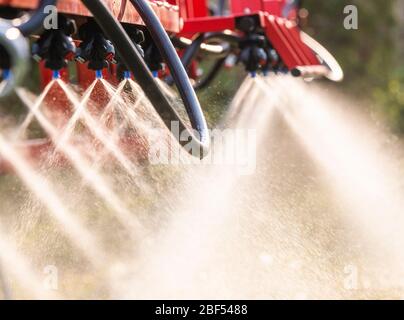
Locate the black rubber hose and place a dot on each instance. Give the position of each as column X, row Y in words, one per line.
column 135, row 63
column 193, row 50
column 178, row 72
column 35, row 22
column 211, row 75
column 188, row 56
column 195, row 47
column 190, row 53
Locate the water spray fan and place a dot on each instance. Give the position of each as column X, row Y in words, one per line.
column 144, row 39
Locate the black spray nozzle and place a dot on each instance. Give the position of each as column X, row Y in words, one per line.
column 137, row 36
column 273, row 63
column 95, row 48
column 253, row 54
column 152, row 55
column 154, row 59
column 56, row 47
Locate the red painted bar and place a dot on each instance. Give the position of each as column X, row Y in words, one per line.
column 209, row 24
column 168, row 13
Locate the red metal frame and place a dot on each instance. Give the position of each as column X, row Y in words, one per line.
column 167, row 11
column 190, row 17
column 283, row 32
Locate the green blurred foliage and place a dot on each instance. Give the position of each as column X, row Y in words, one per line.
column 218, row 96
column 370, row 56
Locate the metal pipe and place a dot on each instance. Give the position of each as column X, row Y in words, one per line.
column 334, row 70
column 310, row 71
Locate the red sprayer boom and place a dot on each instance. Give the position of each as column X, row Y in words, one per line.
column 141, row 39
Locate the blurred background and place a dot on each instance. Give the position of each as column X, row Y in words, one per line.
column 372, row 56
